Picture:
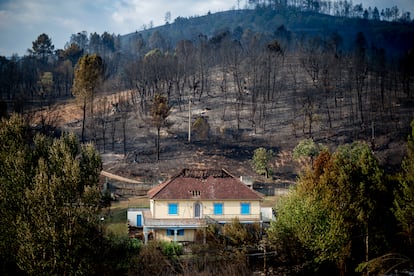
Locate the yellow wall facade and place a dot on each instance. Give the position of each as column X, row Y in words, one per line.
column 231, row 209
column 161, row 234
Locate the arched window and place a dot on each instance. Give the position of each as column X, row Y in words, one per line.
column 197, row 210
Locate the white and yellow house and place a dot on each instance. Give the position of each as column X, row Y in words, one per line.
column 194, row 198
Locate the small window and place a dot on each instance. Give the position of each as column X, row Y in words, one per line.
column 170, row 232
column 173, row 208
column 218, row 208
column 245, row 208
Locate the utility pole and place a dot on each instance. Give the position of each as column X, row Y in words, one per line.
column 189, row 120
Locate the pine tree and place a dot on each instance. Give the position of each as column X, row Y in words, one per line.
column 50, row 203
column 159, row 112
column 88, row 74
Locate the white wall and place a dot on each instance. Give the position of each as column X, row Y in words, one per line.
column 132, row 216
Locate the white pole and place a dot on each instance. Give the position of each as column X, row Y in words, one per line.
column 189, row 120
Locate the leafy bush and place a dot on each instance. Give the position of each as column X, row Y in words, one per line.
column 171, row 249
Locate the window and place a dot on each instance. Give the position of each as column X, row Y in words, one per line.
column 218, row 208
column 170, row 232
column 197, row 210
column 173, row 208
column 245, row 208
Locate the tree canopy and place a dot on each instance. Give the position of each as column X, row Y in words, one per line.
column 160, row 110
column 50, row 202
column 88, row 73
column 42, row 46
column 334, row 209
column 404, row 195
column 260, row 161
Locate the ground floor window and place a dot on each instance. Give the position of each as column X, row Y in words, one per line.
column 170, row 232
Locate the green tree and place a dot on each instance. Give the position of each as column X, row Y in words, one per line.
column 306, row 232
column 72, row 52
column 308, row 149
column 237, row 233
column 45, row 84
column 88, row 74
column 50, row 203
column 160, row 110
column 58, row 232
column 42, row 47
column 404, row 195
column 47, row 120
column 260, row 161
column 333, row 210
column 15, row 160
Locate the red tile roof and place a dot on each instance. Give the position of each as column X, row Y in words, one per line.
column 203, row 184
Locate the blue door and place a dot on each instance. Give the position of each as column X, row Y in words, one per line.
column 139, row 220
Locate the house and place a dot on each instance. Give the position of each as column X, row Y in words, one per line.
column 191, row 200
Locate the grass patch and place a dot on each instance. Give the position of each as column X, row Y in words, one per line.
column 116, row 221
column 117, row 215
column 117, row 229
column 270, row 201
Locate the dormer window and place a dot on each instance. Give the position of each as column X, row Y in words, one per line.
column 195, row 193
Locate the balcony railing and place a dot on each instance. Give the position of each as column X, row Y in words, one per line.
column 229, row 217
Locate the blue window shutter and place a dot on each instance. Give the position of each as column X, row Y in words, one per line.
column 172, row 208
column 170, row 232
column 245, row 208
column 218, row 208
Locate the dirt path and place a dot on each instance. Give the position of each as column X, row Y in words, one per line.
column 120, row 178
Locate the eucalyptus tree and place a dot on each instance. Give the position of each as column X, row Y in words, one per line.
column 360, row 73
column 95, row 43
column 63, row 77
column 184, row 52
column 253, row 45
column 200, row 80
column 81, row 40
column 9, row 76
column 231, row 56
column 313, row 63
column 153, row 69
column 406, row 69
